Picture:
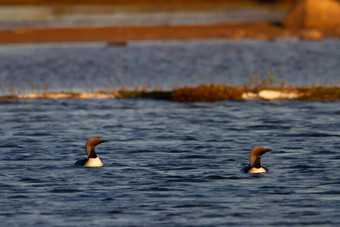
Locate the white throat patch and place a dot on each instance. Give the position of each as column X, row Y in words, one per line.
column 94, row 162
column 257, row 170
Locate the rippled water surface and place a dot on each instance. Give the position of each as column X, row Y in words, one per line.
column 169, row 164
column 166, row 64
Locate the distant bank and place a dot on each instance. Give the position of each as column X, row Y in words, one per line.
column 119, row 35
column 201, row 93
column 177, row 3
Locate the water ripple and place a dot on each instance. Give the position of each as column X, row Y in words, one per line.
column 165, row 170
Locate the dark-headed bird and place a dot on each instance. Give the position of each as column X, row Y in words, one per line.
column 92, row 159
column 255, row 161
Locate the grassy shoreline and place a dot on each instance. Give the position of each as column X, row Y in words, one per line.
column 201, row 93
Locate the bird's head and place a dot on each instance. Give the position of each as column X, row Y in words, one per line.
column 255, row 156
column 90, row 146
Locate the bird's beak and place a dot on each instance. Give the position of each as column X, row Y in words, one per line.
column 268, row 150
column 103, row 141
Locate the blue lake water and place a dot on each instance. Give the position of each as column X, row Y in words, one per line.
column 86, row 67
column 168, row 164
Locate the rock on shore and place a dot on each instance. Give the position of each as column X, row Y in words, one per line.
column 311, row 14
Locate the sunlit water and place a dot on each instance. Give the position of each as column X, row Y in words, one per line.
column 169, row 164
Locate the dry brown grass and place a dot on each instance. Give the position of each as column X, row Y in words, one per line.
column 256, row 82
column 319, row 93
column 8, row 97
column 201, row 93
column 207, row 93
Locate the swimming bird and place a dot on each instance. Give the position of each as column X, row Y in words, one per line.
column 255, row 161
column 93, row 160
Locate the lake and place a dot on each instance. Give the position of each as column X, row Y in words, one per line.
column 166, row 65
column 168, row 164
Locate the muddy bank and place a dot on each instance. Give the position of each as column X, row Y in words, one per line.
column 121, row 35
column 118, row 22
column 140, row 3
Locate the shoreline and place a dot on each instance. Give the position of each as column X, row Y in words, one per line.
column 201, row 93
column 144, row 3
column 120, row 35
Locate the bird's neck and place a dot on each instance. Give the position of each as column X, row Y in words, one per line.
column 90, row 151
column 255, row 161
